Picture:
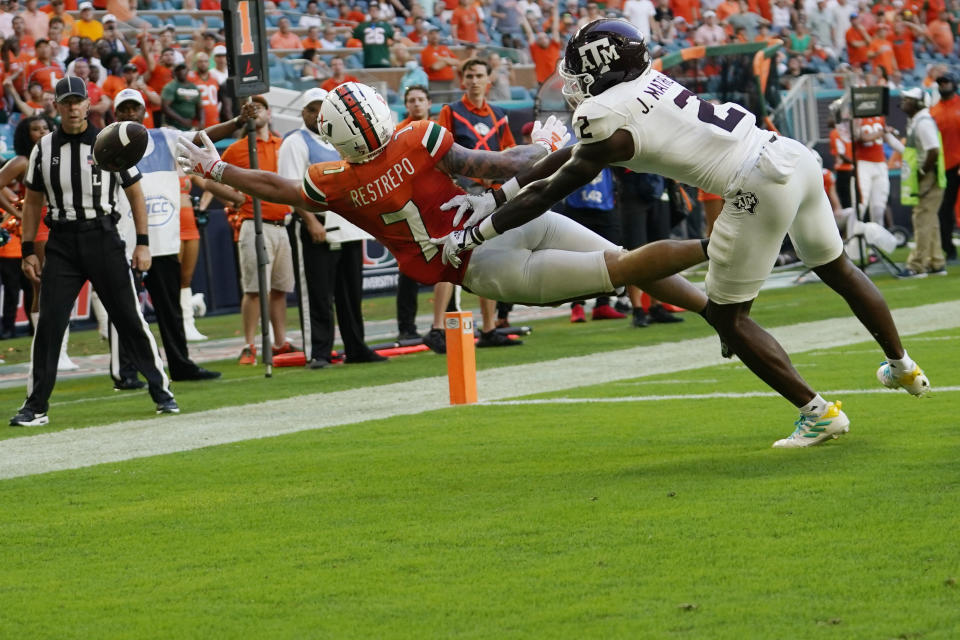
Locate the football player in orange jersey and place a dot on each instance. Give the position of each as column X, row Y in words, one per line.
column 392, row 184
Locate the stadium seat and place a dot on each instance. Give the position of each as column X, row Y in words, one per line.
column 152, row 19
column 183, row 20
column 214, row 23
column 519, row 93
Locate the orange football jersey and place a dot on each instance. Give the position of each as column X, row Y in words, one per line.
column 871, row 151
column 396, row 198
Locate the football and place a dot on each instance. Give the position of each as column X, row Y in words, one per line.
column 120, row 146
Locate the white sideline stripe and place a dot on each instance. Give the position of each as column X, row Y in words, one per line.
column 838, row 394
column 77, row 448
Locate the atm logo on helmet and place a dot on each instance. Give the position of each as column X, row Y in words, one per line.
column 598, row 55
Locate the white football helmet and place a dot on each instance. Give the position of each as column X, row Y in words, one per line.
column 356, row 120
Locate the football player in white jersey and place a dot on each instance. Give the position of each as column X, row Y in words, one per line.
column 627, row 114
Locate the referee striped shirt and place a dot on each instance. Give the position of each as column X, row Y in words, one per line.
column 62, row 168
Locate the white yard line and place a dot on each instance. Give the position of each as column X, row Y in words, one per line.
column 76, row 448
column 836, row 394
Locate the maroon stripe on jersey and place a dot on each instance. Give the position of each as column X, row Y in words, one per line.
column 360, row 117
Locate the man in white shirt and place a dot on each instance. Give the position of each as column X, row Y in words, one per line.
column 709, row 33
column 312, row 17
column 640, row 12
column 328, row 252
column 219, row 70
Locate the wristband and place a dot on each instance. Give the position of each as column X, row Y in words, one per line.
column 216, row 173
column 26, row 249
column 510, row 188
column 143, row 240
column 485, row 229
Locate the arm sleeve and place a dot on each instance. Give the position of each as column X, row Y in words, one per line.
column 129, row 177
column 34, row 177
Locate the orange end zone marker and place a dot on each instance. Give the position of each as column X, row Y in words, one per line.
column 461, row 357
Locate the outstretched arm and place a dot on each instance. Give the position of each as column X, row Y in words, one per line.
column 492, row 165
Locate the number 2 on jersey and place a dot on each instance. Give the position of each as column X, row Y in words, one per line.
column 707, row 113
column 411, row 215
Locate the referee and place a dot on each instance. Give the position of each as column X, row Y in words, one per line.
column 84, row 245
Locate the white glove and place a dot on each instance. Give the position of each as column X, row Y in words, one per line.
column 551, row 135
column 457, row 242
column 204, row 162
column 482, row 206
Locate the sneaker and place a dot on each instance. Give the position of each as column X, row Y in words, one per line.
column 199, row 374
column 128, row 384
column 168, row 406
column 436, row 339
column 811, row 430
column 906, row 274
column 942, row 271
column 404, row 336
column 494, row 339
column 29, row 418
column 319, row 363
column 192, row 333
column 658, row 313
column 65, row 363
column 370, row 356
column 248, row 355
column 623, row 305
column 640, row 318
column 606, row 312
column 915, row 382
column 286, row 347
column 576, row 313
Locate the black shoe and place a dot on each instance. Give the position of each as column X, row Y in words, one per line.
column 436, row 339
column 622, row 307
column 640, row 318
column 29, row 418
column 319, row 363
column 494, row 339
column 199, row 374
column 371, row 356
column 659, row 314
column 168, row 406
column 128, row 384
column 6, row 334
column 408, row 335
column 910, row 273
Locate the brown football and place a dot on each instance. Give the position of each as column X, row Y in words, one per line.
column 120, row 146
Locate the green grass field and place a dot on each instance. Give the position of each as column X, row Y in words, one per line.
column 599, row 511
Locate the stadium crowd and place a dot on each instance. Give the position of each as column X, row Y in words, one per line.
column 173, row 53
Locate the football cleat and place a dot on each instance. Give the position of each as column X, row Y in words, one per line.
column 606, row 312
column 576, row 314
column 915, row 382
column 248, row 355
column 812, row 430
column 436, row 339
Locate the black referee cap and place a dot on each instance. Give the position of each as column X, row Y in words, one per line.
column 948, row 77
column 71, row 86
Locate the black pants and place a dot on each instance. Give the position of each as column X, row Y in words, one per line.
column 946, row 215
column 163, row 284
column 74, row 256
column 845, row 187
column 330, row 276
column 11, row 275
column 407, row 291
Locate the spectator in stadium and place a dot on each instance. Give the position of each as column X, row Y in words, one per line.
column 858, row 42
column 501, row 77
column 182, row 102
column 466, row 24
column 782, row 16
column 477, row 124
column 642, row 14
column 414, row 76
column 750, row 21
column 923, row 173
column 312, row 17
column 57, row 40
column 277, row 243
column 709, row 33
column 841, row 15
column 209, row 89
column 902, row 37
column 87, row 26
column 329, row 39
column 43, row 69
column 940, row 34
column 507, row 15
column 439, row 62
column 312, row 39
column 339, row 75
column 114, row 38
column 284, row 38
column 6, row 19
column 20, row 34
column 376, row 36
column 157, row 72
column 329, row 251
column 219, row 70
column 946, row 113
column 36, row 22
column 592, row 13
column 58, row 12
column 820, row 23
column 99, row 103
column 544, row 49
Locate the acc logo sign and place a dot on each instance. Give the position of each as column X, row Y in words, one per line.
column 598, row 55
column 160, row 211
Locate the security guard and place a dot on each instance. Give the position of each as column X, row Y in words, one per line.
column 83, row 245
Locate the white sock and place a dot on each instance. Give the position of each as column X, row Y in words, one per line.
column 903, row 365
column 816, row 407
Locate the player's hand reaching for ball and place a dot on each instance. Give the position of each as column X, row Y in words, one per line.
column 480, row 206
column 552, row 134
column 200, row 161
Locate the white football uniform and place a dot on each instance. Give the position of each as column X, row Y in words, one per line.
column 771, row 185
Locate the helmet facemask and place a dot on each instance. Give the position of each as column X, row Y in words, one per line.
column 576, row 86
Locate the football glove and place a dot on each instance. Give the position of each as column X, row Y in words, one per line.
column 200, row 161
column 552, row 134
column 456, row 242
column 481, row 205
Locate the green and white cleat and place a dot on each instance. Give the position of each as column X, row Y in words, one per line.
column 811, row 430
column 915, row 382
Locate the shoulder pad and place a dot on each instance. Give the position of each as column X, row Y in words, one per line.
column 593, row 122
